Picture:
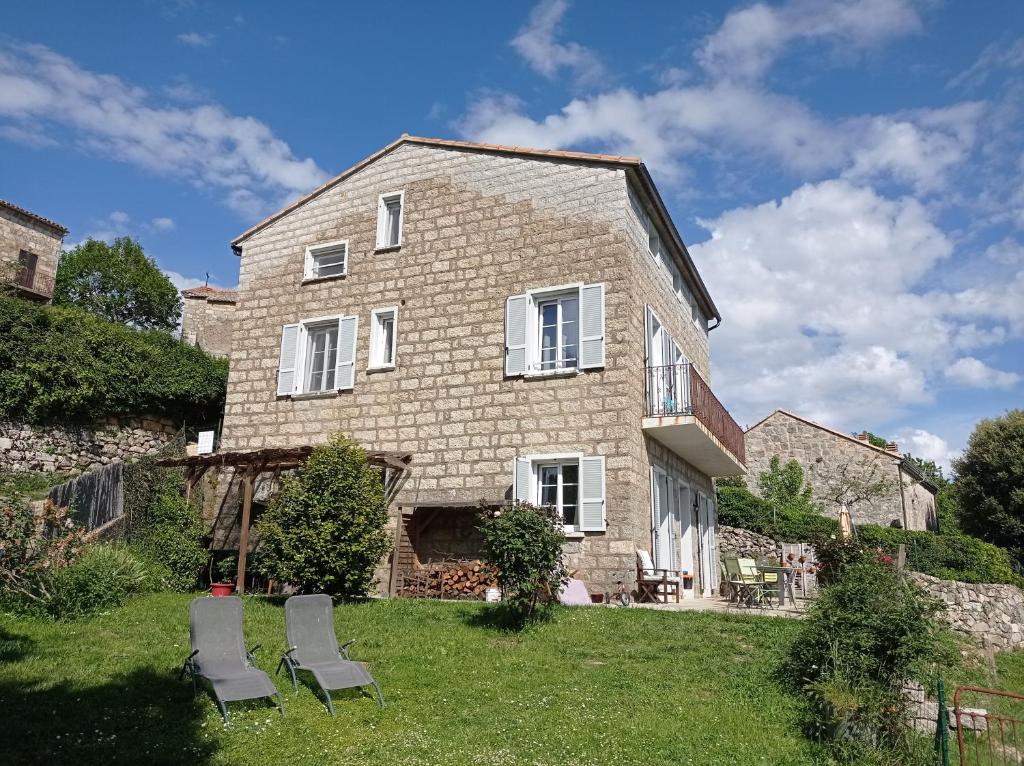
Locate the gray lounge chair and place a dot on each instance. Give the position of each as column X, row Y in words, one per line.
column 313, row 646
column 219, row 654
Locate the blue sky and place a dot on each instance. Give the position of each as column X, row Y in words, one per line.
column 848, row 175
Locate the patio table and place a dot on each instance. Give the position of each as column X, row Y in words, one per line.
column 785, row 581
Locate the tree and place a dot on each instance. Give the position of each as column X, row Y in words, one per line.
column 990, row 482
column 782, row 486
column 853, row 483
column 325, row 530
column 876, row 441
column 118, row 282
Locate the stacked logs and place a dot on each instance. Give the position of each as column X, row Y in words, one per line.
column 449, row 579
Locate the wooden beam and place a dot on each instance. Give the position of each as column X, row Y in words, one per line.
column 243, row 534
column 393, row 584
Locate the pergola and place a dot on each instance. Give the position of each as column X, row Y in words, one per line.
column 250, row 464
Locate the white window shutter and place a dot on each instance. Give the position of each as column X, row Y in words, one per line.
column 522, row 477
column 307, row 264
column 516, row 321
column 286, row 361
column 345, row 370
column 381, row 223
column 592, row 499
column 591, row 326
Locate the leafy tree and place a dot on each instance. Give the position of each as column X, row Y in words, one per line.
column 117, row 282
column 325, row 530
column 782, row 486
column 524, row 544
column 990, row 482
column 852, row 483
column 929, row 470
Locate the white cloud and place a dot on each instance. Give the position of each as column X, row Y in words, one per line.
column 184, row 283
column 996, row 56
column 750, row 40
column 824, row 309
column 537, row 43
column 162, row 224
column 974, row 373
column 205, row 145
column 196, row 39
column 925, row 445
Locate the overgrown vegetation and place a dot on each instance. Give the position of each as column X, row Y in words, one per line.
column 31, row 485
column 66, row 364
column 103, row 577
column 325, row 530
column 118, row 282
column 869, row 630
column 524, row 544
column 739, row 507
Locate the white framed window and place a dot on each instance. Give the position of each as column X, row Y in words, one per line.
column 383, row 338
column 571, row 483
column 555, row 330
column 317, row 356
column 326, row 259
column 390, row 215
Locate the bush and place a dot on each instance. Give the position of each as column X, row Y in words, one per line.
column 867, row 633
column 103, row 577
column 524, row 544
column 170, row 541
column 66, row 364
column 739, row 507
column 324, row 531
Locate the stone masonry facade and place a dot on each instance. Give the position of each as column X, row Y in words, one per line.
column 66, row 449
column 207, row 319
column 820, row 450
column 478, row 227
column 22, row 231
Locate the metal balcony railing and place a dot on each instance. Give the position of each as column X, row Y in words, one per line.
column 678, row 389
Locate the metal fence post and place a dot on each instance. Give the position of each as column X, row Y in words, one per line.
column 942, row 730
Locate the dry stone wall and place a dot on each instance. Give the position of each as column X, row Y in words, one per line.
column 989, row 613
column 746, row 544
column 52, row 449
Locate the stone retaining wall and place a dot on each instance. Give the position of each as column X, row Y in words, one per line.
column 746, row 544
column 51, row 449
column 989, row 613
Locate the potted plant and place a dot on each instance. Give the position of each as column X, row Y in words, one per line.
column 225, row 571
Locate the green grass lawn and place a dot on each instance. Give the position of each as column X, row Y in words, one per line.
column 595, row 686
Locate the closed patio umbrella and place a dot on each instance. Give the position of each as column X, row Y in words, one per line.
column 845, row 524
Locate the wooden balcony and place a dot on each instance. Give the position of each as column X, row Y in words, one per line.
column 682, row 413
column 34, row 286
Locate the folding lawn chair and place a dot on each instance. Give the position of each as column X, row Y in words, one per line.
column 309, row 623
column 219, row 654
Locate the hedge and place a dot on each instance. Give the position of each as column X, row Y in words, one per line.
column 739, row 507
column 62, row 363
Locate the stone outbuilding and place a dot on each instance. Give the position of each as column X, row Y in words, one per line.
column 207, row 318
column 829, row 457
column 29, row 248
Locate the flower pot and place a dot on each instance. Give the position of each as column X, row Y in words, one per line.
column 222, row 589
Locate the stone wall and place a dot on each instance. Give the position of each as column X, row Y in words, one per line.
column 19, row 232
column 477, row 228
column 75, row 449
column 746, row 544
column 207, row 320
column 989, row 613
column 822, row 451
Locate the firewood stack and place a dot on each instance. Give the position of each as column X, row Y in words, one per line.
column 449, row 579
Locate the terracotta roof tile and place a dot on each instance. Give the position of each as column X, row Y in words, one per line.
column 211, row 293
column 37, row 218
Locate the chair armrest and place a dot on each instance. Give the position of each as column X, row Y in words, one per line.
column 344, row 647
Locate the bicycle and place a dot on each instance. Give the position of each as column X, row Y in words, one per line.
column 620, row 597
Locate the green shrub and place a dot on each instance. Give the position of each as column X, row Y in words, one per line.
column 868, row 631
column 103, row 577
column 524, row 544
column 64, row 363
column 325, row 530
column 739, row 507
column 170, row 540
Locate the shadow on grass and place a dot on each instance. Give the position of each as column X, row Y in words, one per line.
column 14, row 647
column 503, row 619
column 142, row 717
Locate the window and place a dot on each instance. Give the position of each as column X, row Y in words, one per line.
column 383, row 333
column 555, row 330
column 573, row 484
column 389, row 219
column 328, row 259
column 317, row 356
column 321, row 357
column 558, row 319
column 558, row 486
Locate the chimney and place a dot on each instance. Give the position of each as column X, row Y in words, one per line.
column 893, row 448
column 862, row 436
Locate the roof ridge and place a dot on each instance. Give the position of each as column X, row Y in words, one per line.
column 34, row 216
column 808, row 421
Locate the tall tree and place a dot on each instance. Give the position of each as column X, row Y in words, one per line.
column 990, row 482
column 118, row 282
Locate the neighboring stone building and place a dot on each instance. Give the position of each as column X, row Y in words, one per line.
column 29, row 249
column 489, row 310
column 824, row 451
column 207, row 318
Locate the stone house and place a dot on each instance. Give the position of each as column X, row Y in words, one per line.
column 207, row 318
column 826, row 455
column 526, row 323
column 29, row 248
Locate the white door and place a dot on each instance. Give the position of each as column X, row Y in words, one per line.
column 663, row 535
column 706, row 521
column 684, row 517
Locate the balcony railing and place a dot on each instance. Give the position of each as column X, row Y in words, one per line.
column 38, row 284
column 678, row 390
